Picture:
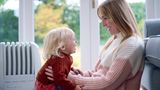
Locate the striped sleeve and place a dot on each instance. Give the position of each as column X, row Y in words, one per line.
column 117, row 73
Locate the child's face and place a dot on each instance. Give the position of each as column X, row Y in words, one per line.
column 70, row 46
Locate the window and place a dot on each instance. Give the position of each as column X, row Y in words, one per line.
column 57, row 13
column 9, row 15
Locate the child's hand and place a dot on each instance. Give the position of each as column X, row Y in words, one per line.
column 78, row 88
column 77, row 71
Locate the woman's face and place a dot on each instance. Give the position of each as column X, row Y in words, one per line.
column 108, row 23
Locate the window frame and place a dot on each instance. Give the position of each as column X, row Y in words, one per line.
column 89, row 27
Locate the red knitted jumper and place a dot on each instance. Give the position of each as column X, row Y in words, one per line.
column 61, row 67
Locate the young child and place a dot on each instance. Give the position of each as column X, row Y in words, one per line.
column 58, row 45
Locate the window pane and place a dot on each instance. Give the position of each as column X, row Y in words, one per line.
column 9, row 20
column 139, row 10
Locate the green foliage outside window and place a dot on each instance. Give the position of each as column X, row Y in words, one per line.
column 52, row 15
column 139, row 12
column 72, row 19
column 2, row 2
column 8, row 26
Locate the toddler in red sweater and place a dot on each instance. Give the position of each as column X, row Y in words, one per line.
column 59, row 44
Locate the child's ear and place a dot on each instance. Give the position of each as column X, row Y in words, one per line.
column 62, row 48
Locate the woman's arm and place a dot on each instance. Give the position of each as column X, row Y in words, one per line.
column 49, row 73
column 74, row 71
column 125, row 64
column 117, row 74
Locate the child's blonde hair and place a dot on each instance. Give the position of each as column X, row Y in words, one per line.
column 55, row 40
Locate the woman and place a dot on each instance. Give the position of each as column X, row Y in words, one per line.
column 120, row 63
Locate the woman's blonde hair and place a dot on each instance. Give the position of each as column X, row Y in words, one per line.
column 121, row 15
column 55, row 40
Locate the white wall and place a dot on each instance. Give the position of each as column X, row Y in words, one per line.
column 152, row 9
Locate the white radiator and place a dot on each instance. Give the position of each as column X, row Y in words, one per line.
column 19, row 63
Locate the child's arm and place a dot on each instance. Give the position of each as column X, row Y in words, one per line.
column 77, row 71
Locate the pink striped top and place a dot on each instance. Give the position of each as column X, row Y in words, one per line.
column 120, row 66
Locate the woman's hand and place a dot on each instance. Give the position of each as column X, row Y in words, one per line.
column 49, row 73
